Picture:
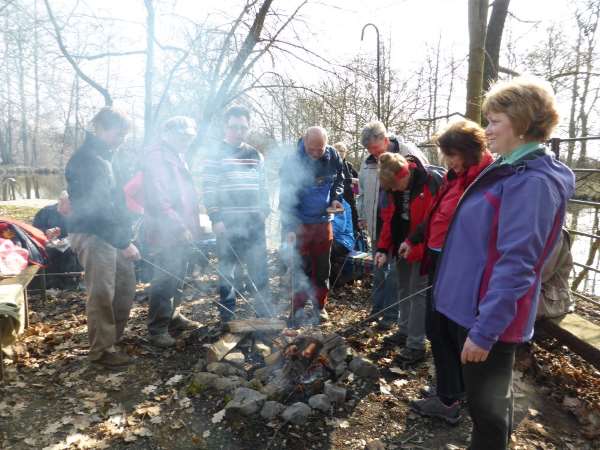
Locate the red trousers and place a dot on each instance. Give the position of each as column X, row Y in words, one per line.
column 313, row 243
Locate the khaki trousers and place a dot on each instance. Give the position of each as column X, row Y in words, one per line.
column 110, row 285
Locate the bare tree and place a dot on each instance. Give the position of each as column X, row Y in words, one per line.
column 477, row 31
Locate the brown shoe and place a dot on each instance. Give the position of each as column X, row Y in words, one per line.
column 113, row 360
column 182, row 323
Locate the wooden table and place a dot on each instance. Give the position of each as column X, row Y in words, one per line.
column 14, row 290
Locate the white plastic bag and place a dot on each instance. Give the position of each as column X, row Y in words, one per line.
column 13, row 259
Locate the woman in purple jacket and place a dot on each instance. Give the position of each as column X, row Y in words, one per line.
column 505, row 226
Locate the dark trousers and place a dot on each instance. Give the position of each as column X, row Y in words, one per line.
column 446, row 358
column 167, row 283
column 488, row 386
column 237, row 249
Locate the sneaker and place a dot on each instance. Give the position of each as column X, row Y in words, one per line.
column 434, row 407
column 323, row 315
column 410, row 355
column 112, row 360
column 182, row 323
column 163, row 340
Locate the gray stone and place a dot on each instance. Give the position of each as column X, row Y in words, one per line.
column 336, row 394
column 320, row 402
column 340, row 369
column 225, row 370
column 246, row 401
column 297, row 413
column 375, row 444
column 364, row 368
column 338, row 354
column 271, row 409
column 331, row 341
column 200, row 364
column 229, row 383
column 263, row 373
column 273, row 391
column 236, row 358
column 204, row 379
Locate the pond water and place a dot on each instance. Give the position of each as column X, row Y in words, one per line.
column 48, row 186
column 582, row 219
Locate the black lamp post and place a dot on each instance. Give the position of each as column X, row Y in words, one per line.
column 362, row 35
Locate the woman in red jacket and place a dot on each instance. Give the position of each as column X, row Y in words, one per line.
column 463, row 145
column 411, row 187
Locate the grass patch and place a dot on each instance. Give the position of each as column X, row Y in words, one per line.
column 23, row 213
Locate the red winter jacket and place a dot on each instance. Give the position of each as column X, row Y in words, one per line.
column 432, row 233
column 395, row 229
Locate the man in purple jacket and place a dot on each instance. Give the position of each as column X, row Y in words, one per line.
column 171, row 225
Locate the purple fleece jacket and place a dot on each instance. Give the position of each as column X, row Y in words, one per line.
column 505, row 226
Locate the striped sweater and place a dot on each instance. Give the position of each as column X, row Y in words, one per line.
column 234, row 185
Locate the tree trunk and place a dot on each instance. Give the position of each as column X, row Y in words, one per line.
column 574, row 99
column 36, row 76
column 493, row 41
column 477, row 30
column 149, row 75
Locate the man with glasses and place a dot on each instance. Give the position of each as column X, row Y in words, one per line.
column 171, row 226
column 237, row 202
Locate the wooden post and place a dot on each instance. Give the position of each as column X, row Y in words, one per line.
column 555, row 147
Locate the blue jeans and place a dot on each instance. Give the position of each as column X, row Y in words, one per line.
column 234, row 251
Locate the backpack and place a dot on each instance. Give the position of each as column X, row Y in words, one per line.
column 555, row 295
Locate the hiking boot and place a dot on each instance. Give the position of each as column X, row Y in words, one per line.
column 434, row 407
column 408, row 356
column 299, row 318
column 112, row 360
column 428, row 391
column 163, row 340
column 182, row 323
column 386, row 324
column 397, row 339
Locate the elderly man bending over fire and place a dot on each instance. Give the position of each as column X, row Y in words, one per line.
column 311, row 186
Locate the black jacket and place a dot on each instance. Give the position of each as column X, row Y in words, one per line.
column 49, row 217
column 97, row 200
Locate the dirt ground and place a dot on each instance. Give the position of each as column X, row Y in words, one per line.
column 53, row 399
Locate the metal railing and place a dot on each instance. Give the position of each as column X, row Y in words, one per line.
column 555, row 144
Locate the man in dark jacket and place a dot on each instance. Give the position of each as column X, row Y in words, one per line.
column 237, row 202
column 100, row 232
column 52, row 220
column 312, row 181
column 171, row 226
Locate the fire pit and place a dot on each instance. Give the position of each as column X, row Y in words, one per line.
column 279, row 372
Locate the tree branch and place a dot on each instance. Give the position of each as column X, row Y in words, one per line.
column 109, row 55
column 104, row 92
column 446, row 116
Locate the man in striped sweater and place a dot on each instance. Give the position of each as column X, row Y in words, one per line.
column 237, row 202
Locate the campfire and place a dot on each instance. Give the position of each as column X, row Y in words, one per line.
column 277, row 371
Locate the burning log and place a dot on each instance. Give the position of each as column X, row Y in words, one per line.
column 218, row 350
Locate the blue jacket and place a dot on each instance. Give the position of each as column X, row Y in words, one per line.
column 505, row 226
column 308, row 187
column 343, row 231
